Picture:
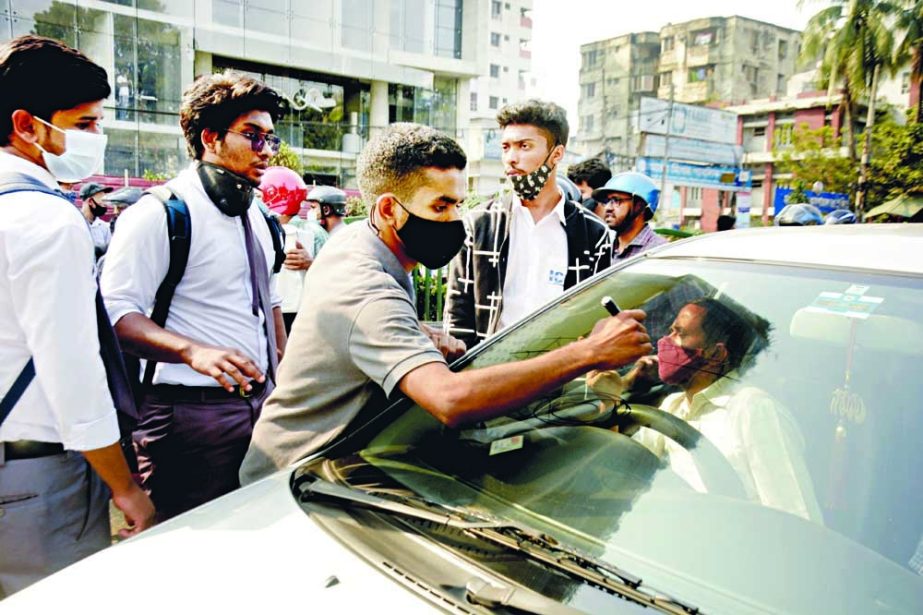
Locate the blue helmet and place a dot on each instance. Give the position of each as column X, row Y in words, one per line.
column 799, row 214
column 635, row 184
column 837, row 216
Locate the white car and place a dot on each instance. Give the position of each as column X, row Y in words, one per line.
column 794, row 487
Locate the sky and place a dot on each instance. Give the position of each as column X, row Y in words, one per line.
column 559, row 27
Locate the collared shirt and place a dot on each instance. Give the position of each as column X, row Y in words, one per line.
column 757, row 436
column 291, row 281
column 359, row 338
column 645, row 240
column 101, row 234
column 212, row 304
column 47, row 311
column 537, row 263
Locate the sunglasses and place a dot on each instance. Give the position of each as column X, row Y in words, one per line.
column 259, row 140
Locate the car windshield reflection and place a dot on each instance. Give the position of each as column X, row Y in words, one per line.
column 762, row 459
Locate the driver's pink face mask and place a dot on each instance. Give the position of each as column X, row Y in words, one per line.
column 676, row 364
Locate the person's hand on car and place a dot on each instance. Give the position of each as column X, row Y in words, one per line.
column 450, row 347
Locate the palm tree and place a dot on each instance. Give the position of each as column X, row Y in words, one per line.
column 909, row 48
column 855, row 40
column 851, row 38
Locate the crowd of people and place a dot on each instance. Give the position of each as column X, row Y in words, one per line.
column 253, row 336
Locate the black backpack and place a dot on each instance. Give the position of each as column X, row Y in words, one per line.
column 179, row 231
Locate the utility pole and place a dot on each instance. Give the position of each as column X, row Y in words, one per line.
column 666, row 143
column 862, row 189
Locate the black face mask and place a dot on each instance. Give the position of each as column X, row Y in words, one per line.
column 431, row 243
column 230, row 192
column 98, row 210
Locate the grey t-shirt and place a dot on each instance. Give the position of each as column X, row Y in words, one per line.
column 356, row 336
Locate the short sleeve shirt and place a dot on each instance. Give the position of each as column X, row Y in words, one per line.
column 351, row 347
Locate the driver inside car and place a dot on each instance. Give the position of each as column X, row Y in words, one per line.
column 708, row 348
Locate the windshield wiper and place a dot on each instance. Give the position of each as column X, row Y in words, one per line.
column 513, row 536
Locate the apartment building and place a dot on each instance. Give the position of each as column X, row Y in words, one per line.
column 506, row 77
column 714, row 61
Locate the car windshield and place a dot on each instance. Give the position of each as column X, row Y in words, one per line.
column 769, row 462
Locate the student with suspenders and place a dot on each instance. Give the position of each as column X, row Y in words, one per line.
column 59, row 433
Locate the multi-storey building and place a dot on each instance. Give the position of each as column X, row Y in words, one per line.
column 714, row 61
column 506, row 77
column 348, row 67
column 614, row 75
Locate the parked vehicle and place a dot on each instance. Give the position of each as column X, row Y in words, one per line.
column 556, row 508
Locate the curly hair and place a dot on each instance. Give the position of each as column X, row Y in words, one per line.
column 394, row 160
column 548, row 117
column 593, row 171
column 214, row 101
column 43, row 76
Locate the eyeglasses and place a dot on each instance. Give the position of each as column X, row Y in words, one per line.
column 259, row 140
column 617, row 199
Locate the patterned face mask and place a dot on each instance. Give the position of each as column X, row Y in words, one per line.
column 528, row 186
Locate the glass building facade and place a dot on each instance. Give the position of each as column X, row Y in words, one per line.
column 323, row 55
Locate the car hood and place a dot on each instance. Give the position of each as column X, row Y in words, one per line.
column 254, row 550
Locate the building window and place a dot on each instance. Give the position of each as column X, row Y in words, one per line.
column 668, row 43
column 905, row 82
column 356, row 24
column 703, row 38
column 494, row 70
column 589, row 90
column 474, row 101
column 408, row 22
column 448, row 28
column 494, row 102
column 495, row 39
column 590, row 58
column 783, row 49
column 666, row 78
column 496, row 9
column 701, row 73
column 587, row 122
column 759, row 131
column 780, row 83
column 612, row 81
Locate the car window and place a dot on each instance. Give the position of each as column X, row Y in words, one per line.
column 777, row 464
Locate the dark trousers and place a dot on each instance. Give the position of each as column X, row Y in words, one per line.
column 189, row 452
column 54, row 511
column 289, row 319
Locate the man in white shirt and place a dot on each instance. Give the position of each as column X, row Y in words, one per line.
column 92, row 207
column 53, row 507
column 708, row 348
column 529, row 247
column 223, row 335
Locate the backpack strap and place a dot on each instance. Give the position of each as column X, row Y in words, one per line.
column 278, row 240
column 9, row 184
column 179, row 233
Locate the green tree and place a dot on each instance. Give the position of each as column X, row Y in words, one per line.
column 897, row 160
column 286, row 157
column 816, row 155
column 854, row 40
column 910, row 48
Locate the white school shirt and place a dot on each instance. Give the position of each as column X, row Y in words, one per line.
column 101, row 234
column 47, row 311
column 291, row 281
column 536, row 263
column 212, row 302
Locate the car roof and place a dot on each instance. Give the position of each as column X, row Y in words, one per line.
column 876, row 247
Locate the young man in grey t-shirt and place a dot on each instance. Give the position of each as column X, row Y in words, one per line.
column 361, row 337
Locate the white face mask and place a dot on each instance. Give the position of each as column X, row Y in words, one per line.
column 82, row 157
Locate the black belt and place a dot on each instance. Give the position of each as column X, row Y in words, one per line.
column 30, row 449
column 182, row 393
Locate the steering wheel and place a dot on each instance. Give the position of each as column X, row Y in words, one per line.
column 714, row 468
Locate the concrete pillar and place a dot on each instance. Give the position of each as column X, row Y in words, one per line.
column 463, row 111
column 378, row 113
